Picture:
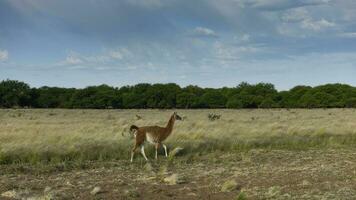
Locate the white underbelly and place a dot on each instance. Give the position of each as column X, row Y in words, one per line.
column 151, row 139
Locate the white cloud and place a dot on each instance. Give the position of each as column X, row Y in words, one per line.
column 283, row 4
column 348, row 35
column 96, row 59
column 146, row 3
column 120, row 54
column 117, row 55
column 242, row 38
column 225, row 52
column 245, row 38
column 105, row 60
column 316, row 25
column 77, row 67
column 299, row 22
column 248, row 49
column 295, row 15
column 73, row 60
column 4, row 55
column 202, row 31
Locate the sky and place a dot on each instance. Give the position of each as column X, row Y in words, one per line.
column 209, row 43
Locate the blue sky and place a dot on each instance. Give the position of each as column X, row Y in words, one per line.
column 210, row 43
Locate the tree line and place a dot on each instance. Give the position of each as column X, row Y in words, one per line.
column 17, row 94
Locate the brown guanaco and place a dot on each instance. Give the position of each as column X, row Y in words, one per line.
column 153, row 134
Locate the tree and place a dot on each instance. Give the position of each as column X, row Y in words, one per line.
column 194, row 92
column 14, row 94
column 262, row 95
column 135, row 96
column 268, row 103
column 213, row 99
column 351, row 102
column 292, row 98
column 101, row 96
column 307, row 101
column 52, row 97
column 162, row 95
column 252, row 96
column 186, row 100
column 234, row 102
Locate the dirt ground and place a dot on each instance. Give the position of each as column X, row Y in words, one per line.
column 257, row 174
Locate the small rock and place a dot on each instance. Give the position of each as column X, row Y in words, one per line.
column 148, row 167
column 69, row 184
column 10, row 194
column 131, row 193
column 44, row 197
column 121, row 182
column 19, row 194
column 305, row 183
column 49, row 193
column 192, row 194
column 49, row 196
column 229, row 186
column 163, row 171
column 176, row 152
column 174, row 179
column 219, row 170
column 96, row 190
column 47, row 189
column 148, row 178
column 273, row 191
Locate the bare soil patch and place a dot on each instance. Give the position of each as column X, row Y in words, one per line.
column 256, row 174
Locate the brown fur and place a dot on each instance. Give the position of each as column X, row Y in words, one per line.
column 156, row 134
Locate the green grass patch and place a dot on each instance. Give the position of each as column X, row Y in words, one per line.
column 120, row 150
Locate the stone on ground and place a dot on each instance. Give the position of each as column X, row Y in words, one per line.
column 133, row 193
column 96, row 190
column 148, row 167
column 174, row 179
column 9, row 194
column 176, row 152
column 229, row 186
column 47, row 190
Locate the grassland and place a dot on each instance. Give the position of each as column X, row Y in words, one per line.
column 50, row 136
column 269, row 154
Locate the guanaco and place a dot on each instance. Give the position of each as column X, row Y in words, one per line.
column 153, row 134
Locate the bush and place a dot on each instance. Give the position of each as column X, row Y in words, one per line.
column 144, row 95
column 14, row 94
column 351, row 103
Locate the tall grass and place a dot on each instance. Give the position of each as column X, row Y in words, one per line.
column 55, row 136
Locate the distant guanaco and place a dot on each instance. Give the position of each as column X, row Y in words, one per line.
column 153, row 134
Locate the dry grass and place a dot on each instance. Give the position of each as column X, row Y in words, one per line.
column 53, row 136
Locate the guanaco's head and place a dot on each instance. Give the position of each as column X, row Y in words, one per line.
column 176, row 116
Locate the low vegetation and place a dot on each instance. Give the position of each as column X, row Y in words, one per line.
column 246, row 154
column 213, row 117
column 55, row 136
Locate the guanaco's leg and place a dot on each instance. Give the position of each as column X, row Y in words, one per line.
column 139, row 140
column 133, row 152
column 143, row 152
column 157, row 146
column 165, row 149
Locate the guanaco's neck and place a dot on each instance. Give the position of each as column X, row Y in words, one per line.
column 170, row 125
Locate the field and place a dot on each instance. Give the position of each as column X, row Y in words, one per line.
column 247, row 154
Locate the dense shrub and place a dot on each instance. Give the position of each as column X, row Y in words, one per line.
column 262, row 95
column 14, row 94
